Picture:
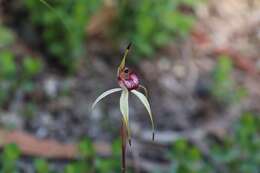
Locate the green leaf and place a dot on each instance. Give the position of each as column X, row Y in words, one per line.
column 78, row 167
column 7, row 65
column 103, row 95
column 56, row 13
column 11, row 152
column 32, row 66
column 86, row 149
column 223, row 69
column 144, row 100
column 162, row 38
column 6, row 37
column 41, row 166
column 116, row 147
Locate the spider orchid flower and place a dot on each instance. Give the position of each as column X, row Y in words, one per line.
column 129, row 83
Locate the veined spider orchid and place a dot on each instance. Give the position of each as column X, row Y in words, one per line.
column 129, row 83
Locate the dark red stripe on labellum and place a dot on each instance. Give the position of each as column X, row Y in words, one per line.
column 128, row 80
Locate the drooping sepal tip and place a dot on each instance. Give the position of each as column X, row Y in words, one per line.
column 145, row 90
column 144, row 100
column 129, row 46
column 130, row 142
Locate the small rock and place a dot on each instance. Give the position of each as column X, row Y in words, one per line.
column 179, row 71
column 51, row 87
column 164, row 64
column 11, row 120
column 42, row 132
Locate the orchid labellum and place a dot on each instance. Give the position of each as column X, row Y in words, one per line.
column 129, row 83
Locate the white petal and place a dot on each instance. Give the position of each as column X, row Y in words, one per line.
column 103, row 95
column 144, row 100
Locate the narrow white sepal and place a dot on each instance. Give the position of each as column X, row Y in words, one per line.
column 103, row 95
column 144, row 100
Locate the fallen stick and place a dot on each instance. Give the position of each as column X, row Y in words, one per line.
column 243, row 63
column 205, row 45
column 52, row 149
column 48, row 148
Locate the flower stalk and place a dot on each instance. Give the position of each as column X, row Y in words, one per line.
column 123, row 147
column 129, row 83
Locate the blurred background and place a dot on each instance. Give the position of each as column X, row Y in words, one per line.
column 199, row 60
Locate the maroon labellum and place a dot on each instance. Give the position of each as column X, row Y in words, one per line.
column 128, row 79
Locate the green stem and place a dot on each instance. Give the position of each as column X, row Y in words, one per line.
column 123, row 147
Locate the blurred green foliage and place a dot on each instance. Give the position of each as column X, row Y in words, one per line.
column 63, row 27
column 87, row 161
column 7, row 65
column 238, row 152
column 17, row 72
column 9, row 158
column 187, row 158
column 41, row 166
column 31, row 66
column 241, row 152
column 90, row 163
column 14, row 76
column 6, row 37
column 150, row 24
column 224, row 87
